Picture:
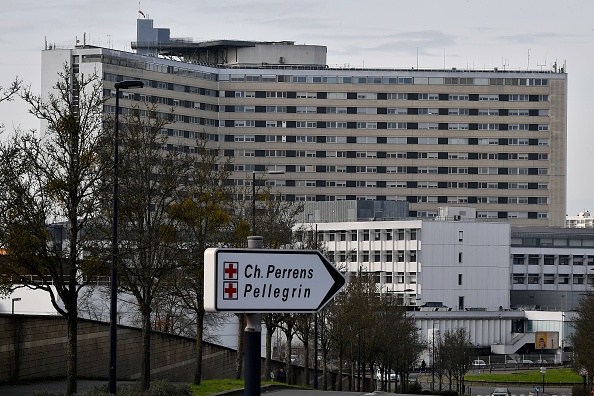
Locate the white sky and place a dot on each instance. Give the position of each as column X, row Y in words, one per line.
column 477, row 34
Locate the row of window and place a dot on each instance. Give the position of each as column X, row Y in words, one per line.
column 551, row 259
column 367, row 235
column 442, row 126
column 331, row 95
column 408, row 184
column 386, row 96
column 374, row 110
column 326, row 79
column 549, row 279
column 441, row 170
column 388, row 140
column 383, row 80
column 382, row 154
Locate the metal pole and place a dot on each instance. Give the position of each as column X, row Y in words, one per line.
column 433, row 360
column 253, row 341
column 316, row 329
column 254, row 203
column 113, row 316
column 316, row 351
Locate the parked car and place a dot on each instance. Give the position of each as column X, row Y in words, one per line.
column 542, row 361
column 527, row 361
column 479, row 363
column 501, row 392
column 511, row 361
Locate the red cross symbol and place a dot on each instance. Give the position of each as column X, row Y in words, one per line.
column 229, row 290
column 230, row 271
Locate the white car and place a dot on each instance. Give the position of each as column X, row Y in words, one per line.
column 527, row 361
column 378, row 375
column 479, row 363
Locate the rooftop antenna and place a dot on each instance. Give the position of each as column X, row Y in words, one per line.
column 444, row 59
column 417, row 58
column 504, row 62
column 528, row 59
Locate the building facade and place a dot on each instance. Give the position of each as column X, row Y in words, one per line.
column 491, row 139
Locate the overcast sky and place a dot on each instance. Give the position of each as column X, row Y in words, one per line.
column 473, row 34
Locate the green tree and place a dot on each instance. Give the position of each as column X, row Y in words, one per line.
column 56, row 176
column 581, row 339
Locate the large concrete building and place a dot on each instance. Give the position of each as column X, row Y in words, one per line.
column 491, row 139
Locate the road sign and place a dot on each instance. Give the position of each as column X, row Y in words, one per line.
column 265, row 280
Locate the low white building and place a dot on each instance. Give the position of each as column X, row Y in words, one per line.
column 582, row 220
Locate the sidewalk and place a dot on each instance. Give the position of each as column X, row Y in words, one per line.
column 49, row 386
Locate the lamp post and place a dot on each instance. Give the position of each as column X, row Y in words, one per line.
column 113, row 315
column 543, row 371
column 13, row 300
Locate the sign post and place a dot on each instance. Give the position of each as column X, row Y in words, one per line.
column 266, row 280
column 257, row 281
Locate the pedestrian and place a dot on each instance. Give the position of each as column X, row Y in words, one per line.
column 282, row 376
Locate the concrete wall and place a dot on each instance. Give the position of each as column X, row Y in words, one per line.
column 33, row 348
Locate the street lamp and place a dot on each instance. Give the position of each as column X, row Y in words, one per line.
column 126, row 84
column 13, row 300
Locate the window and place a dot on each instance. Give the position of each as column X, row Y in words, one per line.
column 578, row 279
column 563, row 279
column 428, row 96
column 518, row 259
column 563, row 259
column 518, row 98
column 336, row 95
column 460, row 236
column 459, row 279
column 397, row 96
column 460, row 257
column 548, row 279
column 533, row 279
column 491, row 98
column 458, row 97
column 549, row 259
column 366, row 95
column 518, row 279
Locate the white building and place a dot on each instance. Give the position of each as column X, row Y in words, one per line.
column 582, row 220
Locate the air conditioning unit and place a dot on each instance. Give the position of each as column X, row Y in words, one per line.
column 281, row 60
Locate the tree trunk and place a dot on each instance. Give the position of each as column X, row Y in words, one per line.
column 199, row 347
column 239, row 357
column 268, row 363
column 306, row 345
column 288, row 363
column 71, row 353
column 145, row 370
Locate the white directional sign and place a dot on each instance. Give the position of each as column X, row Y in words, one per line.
column 264, row 280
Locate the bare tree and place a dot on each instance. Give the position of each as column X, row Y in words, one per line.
column 152, row 178
column 201, row 216
column 49, row 177
column 581, row 339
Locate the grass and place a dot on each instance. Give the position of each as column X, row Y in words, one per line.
column 552, row 376
column 211, row 387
